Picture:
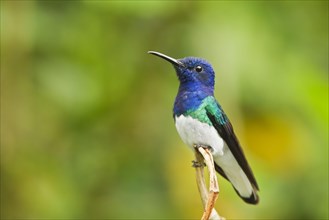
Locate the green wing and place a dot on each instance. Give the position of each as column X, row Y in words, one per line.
column 224, row 128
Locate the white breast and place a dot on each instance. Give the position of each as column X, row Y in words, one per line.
column 194, row 132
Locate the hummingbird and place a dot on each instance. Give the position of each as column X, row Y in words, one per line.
column 200, row 120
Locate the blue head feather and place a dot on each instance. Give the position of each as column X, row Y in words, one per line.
column 197, row 80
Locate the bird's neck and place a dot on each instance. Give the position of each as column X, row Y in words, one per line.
column 190, row 97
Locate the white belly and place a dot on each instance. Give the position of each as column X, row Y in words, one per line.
column 194, row 132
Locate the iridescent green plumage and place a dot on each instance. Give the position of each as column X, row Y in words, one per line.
column 210, row 105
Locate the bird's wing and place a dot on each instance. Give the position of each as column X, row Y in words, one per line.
column 225, row 130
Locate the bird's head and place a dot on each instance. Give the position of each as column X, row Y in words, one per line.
column 191, row 70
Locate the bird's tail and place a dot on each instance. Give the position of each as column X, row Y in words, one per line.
column 241, row 184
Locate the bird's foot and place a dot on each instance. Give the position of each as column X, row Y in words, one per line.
column 196, row 164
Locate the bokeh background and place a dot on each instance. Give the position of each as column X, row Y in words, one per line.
column 86, row 114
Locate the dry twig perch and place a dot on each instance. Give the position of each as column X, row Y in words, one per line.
column 204, row 157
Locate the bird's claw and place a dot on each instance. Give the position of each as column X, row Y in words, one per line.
column 196, row 164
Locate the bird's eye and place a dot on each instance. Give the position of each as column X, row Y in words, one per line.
column 198, row 69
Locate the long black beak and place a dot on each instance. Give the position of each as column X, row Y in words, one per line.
column 169, row 59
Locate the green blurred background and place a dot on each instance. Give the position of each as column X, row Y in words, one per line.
column 86, row 114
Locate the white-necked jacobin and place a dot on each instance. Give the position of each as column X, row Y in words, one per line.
column 200, row 120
